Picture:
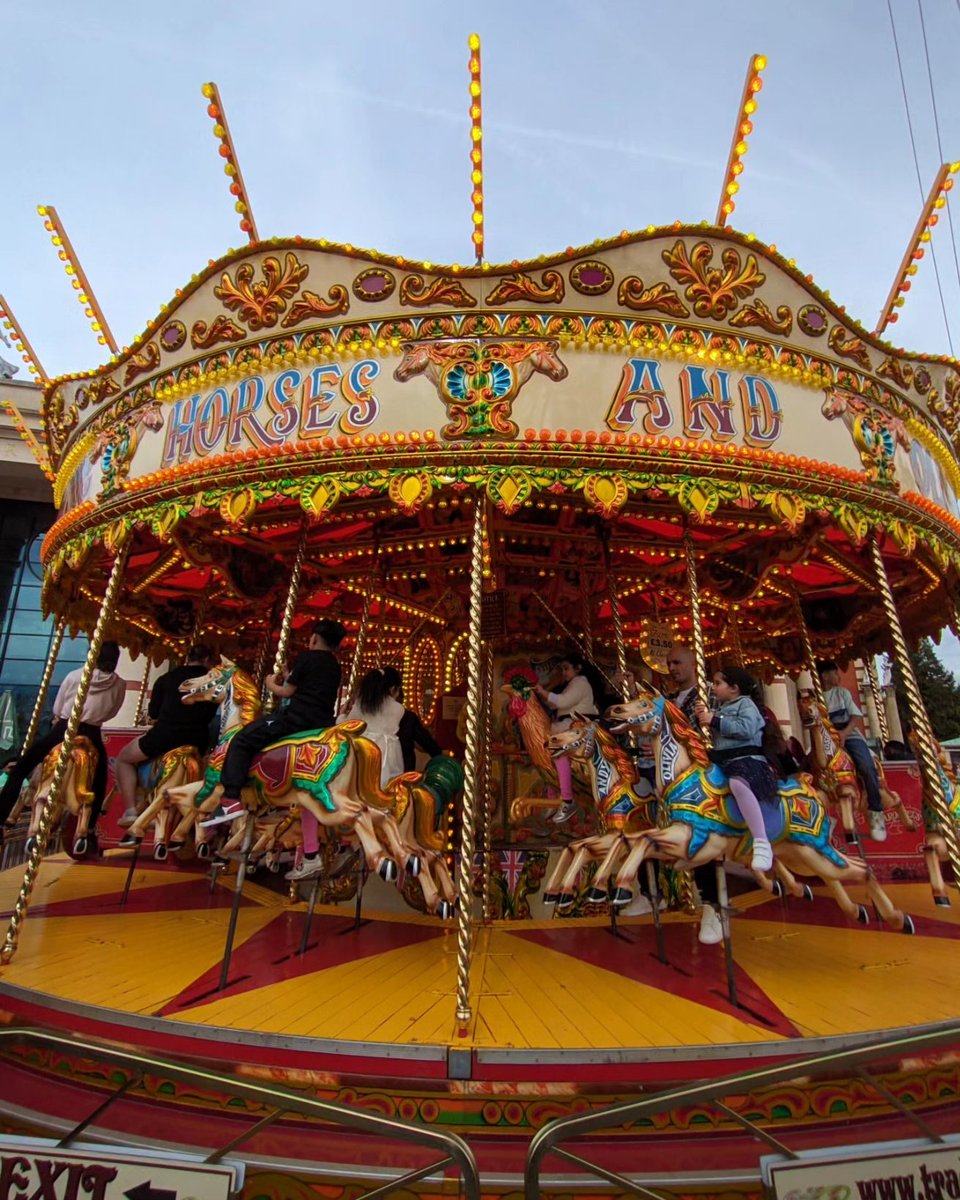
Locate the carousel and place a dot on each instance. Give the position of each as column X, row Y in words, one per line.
column 669, row 437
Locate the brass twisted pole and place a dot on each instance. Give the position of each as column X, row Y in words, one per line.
column 260, row 666
column 289, row 608
column 693, row 591
column 489, row 807
column 587, row 612
column 808, row 651
column 928, row 761
column 878, row 700
column 353, row 681
column 468, row 826
column 52, row 801
column 140, row 715
column 45, row 678
column 733, row 628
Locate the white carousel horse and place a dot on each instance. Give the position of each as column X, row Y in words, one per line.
column 706, row 825
column 624, row 811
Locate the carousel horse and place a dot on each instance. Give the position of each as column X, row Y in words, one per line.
column 421, row 805
column 333, row 773
column 834, row 772
column 934, row 843
column 623, row 809
column 76, row 791
column 705, row 823
column 533, row 723
column 173, row 769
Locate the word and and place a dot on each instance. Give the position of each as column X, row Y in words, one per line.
column 707, row 407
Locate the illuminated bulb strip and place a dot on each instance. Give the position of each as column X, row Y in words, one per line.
column 476, row 146
column 741, row 134
column 20, row 343
column 936, row 199
column 394, row 602
column 81, row 285
column 231, row 167
column 33, row 445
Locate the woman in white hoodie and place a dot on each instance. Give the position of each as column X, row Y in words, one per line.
column 378, row 705
column 103, row 702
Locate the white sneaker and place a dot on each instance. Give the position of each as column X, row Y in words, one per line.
column 638, row 907
column 225, row 812
column 564, row 812
column 878, row 826
column 711, row 928
column 762, row 855
column 307, row 869
column 128, row 818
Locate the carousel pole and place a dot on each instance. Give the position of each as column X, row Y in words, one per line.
column 139, row 715
column 878, row 704
column 286, row 624
column 927, row 758
column 471, row 789
column 808, row 650
column 260, row 666
column 488, row 806
column 733, row 628
column 104, row 618
column 693, row 591
column 700, row 658
column 59, row 631
column 587, row 612
column 353, row 681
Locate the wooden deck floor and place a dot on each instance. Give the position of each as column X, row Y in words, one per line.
column 801, row 969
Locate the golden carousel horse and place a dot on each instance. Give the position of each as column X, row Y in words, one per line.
column 76, row 792
column 332, row 773
column 834, row 772
column 533, row 723
column 622, row 809
column 181, row 765
column 705, row 824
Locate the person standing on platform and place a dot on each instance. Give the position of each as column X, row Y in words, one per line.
column 104, row 700
column 173, row 724
column 311, row 688
column 844, row 714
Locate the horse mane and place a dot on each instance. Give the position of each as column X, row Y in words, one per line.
column 246, row 696
column 615, row 753
column 684, row 732
column 369, row 763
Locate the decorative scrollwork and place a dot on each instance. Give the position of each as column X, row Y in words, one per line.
column 260, row 304
column 757, row 313
column 415, row 290
column 846, row 347
column 146, row 360
column 900, row 372
column 713, row 293
column 520, row 286
column 221, row 329
column 312, row 305
column 658, row 298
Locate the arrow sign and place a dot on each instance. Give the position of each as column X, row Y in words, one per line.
column 146, row 1191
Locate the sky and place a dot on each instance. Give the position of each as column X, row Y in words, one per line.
column 350, row 123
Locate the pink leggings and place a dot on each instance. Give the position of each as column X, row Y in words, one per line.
column 748, row 804
column 565, row 776
column 311, row 831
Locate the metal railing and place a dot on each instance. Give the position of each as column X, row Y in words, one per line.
column 455, row 1151
column 547, row 1140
